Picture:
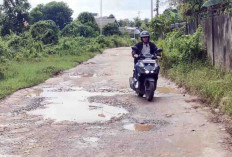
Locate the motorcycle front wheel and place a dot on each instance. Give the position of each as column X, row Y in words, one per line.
column 149, row 90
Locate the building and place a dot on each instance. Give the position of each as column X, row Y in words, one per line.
column 134, row 32
column 102, row 21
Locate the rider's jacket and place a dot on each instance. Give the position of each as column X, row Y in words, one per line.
column 152, row 46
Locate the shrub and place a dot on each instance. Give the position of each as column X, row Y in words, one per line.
column 45, row 31
column 77, row 29
column 180, row 48
column 111, row 29
column 88, row 19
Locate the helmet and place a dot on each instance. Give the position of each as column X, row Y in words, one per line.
column 144, row 34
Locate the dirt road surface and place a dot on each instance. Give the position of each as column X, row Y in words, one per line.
column 90, row 111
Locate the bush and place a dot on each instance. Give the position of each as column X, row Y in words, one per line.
column 111, row 29
column 45, row 31
column 77, row 29
column 180, row 48
column 184, row 61
column 88, row 19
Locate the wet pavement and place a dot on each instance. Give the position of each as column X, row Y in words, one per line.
column 91, row 111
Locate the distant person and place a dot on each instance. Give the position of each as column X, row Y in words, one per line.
column 144, row 47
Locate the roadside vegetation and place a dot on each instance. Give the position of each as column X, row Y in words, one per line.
column 185, row 59
column 44, row 45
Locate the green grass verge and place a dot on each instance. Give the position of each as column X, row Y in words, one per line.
column 210, row 83
column 16, row 75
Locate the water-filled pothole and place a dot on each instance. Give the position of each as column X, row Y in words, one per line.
column 167, row 90
column 73, row 105
column 139, row 127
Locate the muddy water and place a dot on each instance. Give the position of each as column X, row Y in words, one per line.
column 166, row 90
column 72, row 105
column 139, row 127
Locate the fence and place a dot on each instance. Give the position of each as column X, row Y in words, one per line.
column 218, row 39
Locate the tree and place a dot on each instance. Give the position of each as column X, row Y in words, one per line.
column 59, row 12
column 78, row 29
column 88, row 19
column 157, row 27
column 124, row 23
column 36, row 14
column 111, row 29
column 45, row 31
column 16, row 14
column 138, row 22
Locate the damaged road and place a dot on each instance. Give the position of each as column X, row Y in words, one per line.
column 90, row 111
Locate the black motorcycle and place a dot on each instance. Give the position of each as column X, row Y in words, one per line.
column 148, row 71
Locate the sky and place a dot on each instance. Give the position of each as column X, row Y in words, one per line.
column 121, row 9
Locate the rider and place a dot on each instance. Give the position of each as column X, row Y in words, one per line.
column 144, row 47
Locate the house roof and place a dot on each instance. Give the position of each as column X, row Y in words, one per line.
column 104, row 21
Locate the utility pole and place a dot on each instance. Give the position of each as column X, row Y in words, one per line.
column 152, row 9
column 100, row 17
column 157, row 7
column 139, row 12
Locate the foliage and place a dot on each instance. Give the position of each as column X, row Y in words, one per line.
column 20, row 72
column 126, row 22
column 161, row 24
column 138, row 22
column 179, row 48
column 36, row 14
column 111, row 29
column 184, row 61
column 77, row 29
column 45, row 31
column 210, row 83
column 88, row 19
column 59, row 12
column 16, row 13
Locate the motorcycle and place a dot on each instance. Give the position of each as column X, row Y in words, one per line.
column 148, row 71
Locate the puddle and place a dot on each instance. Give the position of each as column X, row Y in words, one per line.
column 139, row 127
column 88, row 75
column 73, row 105
column 167, row 90
column 35, row 93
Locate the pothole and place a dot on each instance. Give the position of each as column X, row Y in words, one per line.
column 167, row 90
column 144, row 125
column 139, row 127
column 73, row 105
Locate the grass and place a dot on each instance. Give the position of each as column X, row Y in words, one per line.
column 27, row 73
column 209, row 82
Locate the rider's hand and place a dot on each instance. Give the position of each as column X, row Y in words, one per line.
column 136, row 55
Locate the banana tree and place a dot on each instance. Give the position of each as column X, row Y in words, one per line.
column 210, row 3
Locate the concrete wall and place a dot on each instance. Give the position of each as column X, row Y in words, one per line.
column 219, row 40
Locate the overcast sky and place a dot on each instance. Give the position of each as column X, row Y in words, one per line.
column 120, row 8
